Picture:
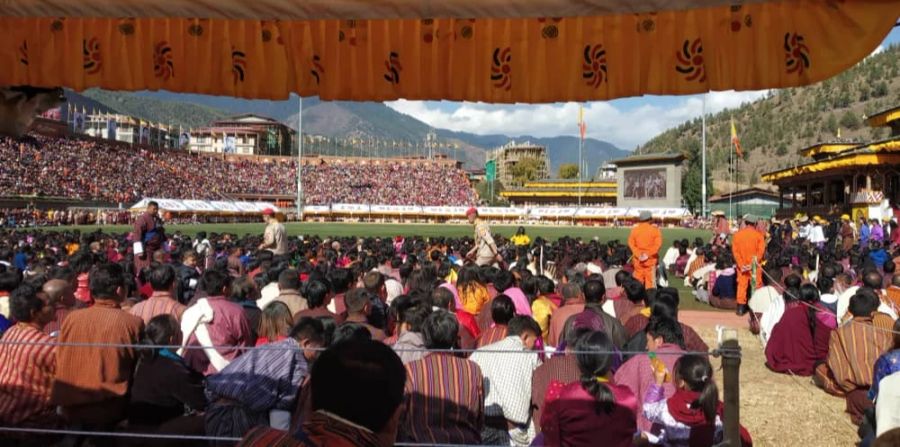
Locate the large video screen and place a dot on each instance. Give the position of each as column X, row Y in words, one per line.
column 641, row 184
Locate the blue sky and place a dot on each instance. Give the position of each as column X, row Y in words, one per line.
column 625, row 122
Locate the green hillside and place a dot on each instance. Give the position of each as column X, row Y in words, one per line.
column 161, row 111
column 773, row 129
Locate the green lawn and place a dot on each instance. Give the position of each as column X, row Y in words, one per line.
column 430, row 230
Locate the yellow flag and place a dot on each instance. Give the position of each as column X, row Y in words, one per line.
column 735, row 141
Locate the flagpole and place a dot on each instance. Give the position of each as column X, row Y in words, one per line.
column 703, row 161
column 299, row 158
column 580, row 151
column 731, row 187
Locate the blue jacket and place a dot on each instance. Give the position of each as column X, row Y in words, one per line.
column 879, row 257
column 726, row 285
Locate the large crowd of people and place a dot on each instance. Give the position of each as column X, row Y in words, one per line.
column 370, row 341
column 96, row 170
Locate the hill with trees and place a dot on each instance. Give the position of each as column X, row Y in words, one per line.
column 773, row 129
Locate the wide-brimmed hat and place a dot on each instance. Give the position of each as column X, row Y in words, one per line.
column 644, row 216
column 717, row 213
column 749, row 218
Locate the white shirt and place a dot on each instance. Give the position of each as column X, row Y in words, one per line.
column 816, row 235
column 763, row 298
column 887, row 407
column 803, row 232
column 507, row 378
column 769, row 319
column 670, row 257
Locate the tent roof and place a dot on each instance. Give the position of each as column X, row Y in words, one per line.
column 500, row 51
column 346, row 9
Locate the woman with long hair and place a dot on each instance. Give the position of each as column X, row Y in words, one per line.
column 473, row 293
column 798, row 341
column 275, row 323
column 593, row 410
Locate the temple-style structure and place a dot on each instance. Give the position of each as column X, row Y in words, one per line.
column 853, row 178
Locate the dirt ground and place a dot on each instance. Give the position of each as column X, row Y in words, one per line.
column 777, row 409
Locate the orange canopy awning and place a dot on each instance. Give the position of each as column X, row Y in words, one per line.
column 389, row 49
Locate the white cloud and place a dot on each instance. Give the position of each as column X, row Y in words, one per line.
column 624, row 127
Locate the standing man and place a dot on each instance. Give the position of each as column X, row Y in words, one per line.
column 148, row 236
column 485, row 250
column 847, row 241
column 749, row 248
column 274, row 238
column 645, row 241
column 720, row 226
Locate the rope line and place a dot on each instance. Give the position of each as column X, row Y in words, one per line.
column 715, row 352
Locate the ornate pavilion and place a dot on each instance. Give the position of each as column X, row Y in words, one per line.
column 853, row 178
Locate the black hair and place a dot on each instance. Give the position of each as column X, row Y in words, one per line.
column 664, row 306
column 360, row 381
column 289, row 279
column 545, row 285
column 863, row 304
column 873, row 279
column 9, row 280
column 521, row 324
column 159, row 331
column 356, row 299
column 666, row 328
column 697, row 374
column 315, row 293
column 152, row 203
column 162, row 277
column 351, row 331
column 105, row 281
column 594, row 291
column 340, row 280
column 441, row 298
column 502, row 309
column 23, row 301
column 503, row 280
column 214, row 282
column 308, row 328
column 595, row 360
column 441, row 330
column 889, row 266
column 635, row 291
column 415, row 316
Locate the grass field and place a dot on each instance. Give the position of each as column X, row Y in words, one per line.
column 432, row 230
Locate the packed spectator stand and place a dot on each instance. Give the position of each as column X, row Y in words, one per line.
column 97, row 170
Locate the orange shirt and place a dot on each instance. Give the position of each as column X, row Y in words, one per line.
column 747, row 243
column 646, row 239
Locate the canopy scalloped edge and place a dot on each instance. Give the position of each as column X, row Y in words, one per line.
column 744, row 47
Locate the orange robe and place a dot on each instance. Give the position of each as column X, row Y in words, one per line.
column 746, row 245
column 645, row 238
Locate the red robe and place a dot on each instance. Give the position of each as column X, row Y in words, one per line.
column 793, row 347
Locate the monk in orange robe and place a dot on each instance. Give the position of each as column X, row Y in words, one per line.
column 749, row 247
column 645, row 241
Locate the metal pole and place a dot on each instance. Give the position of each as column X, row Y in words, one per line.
column 731, row 187
column 731, row 374
column 299, row 158
column 703, row 161
column 580, row 167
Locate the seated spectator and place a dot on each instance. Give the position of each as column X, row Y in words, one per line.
column 27, row 371
column 410, row 344
column 763, row 298
column 92, row 383
column 665, row 305
column 245, row 293
column 507, row 377
column 690, row 416
column 289, row 291
column 275, row 323
column 9, row 281
column 561, row 368
column 594, row 316
column 357, row 390
column 852, row 351
column 61, row 295
column 502, row 312
column 164, row 387
column 635, row 299
column 595, row 407
column 775, row 312
column 374, row 283
column 573, row 303
column 358, row 304
column 161, row 301
column 546, row 303
column 261, row 386
column 887, row 364
column 473, row 293
column 799, row 341
column 664, row 339
column 215, row 321
column 188, row 276
column 444, row 393
column 318, row 297
column 442, row 298
column 725, row 289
